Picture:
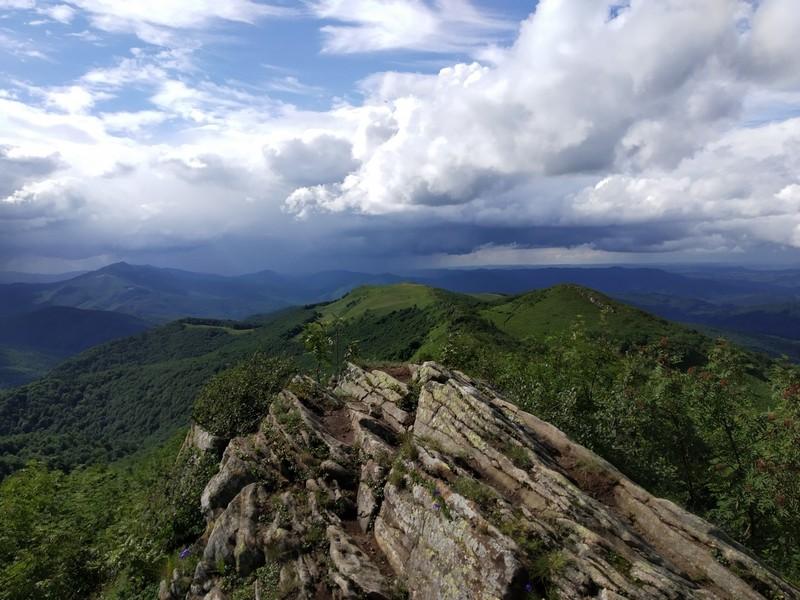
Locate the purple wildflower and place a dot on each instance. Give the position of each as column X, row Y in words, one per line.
column 529, row 587
column 185, row 553
column 436, row 506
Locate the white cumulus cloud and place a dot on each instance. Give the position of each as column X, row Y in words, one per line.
column 649, row 101
column 375, row 25
column 664, row 127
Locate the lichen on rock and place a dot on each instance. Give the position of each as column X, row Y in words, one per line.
column 438, row 488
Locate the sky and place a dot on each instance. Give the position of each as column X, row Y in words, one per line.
column 384, row 135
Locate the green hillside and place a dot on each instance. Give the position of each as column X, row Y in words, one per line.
column 413, row 322
column 380, row 300
column 115, row 398
column 33, row 343
column 19, row 366
column 699, row 422
column 544, row 312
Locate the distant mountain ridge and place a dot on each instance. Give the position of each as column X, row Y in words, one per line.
column 33, row 343
column 161, row 294
column 609, row 280
column 64, row 330
column 113, row 398
column 762, row 308
column 17, row 277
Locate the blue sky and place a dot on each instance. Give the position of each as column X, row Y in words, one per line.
column 284, row 56
column 384, row 134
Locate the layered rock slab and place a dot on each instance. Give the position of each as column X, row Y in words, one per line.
column 439, row 488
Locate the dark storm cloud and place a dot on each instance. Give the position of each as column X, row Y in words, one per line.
column 323, row 159
column 632, row 141
column 17, row 171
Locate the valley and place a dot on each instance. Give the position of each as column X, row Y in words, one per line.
column 756, row 309
column 568, row 354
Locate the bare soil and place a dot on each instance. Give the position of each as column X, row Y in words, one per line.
column 337, row 423
column 366, row 542
column 400, row 372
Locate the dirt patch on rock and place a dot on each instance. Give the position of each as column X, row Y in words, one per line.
column 400, row 372
column 338, row 424
column 366, row 542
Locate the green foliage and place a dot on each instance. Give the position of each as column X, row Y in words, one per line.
column 700, row 423
column 396, row 336
column 314, row 537
column 318, row 343
column 518, row 455
column 19, row 366
column 288, row 417
column 180, row 520
column 703, row 435
column 545, row 567
column 380, row 300
column 113, row 400
column 327, row 344
column 473, row 490
column 44, row 558
column 265, row 579
column 397, row 476
column 62, row 536
column 408, row 447
column 268, row 578
column 234, row 401
column 33, row 343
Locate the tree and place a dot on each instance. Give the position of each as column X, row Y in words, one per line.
column 318, row 343
column 326, row 343
column 775, row 478
column 234, row 401
column 721, row 405
column 645, row 427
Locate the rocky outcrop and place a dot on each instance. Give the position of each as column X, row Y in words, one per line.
column 426, row 484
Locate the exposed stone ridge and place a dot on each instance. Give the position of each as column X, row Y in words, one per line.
column 435, row 487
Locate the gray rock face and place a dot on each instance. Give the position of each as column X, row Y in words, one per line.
column 439, row 489
column 370, row 490
column 236, row 538
column 242, row 463
column 442, row 547
column 382, row 394
column 354, row 571
column 205, row 441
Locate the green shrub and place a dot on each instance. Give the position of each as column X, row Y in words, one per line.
column 474, row 490
column 234, row 401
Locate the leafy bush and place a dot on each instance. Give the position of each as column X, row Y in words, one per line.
column 703, row 436
column 234, row 401
column 64, row 536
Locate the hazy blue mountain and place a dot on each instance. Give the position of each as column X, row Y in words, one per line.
column 161, row 295
column 616, row 281
column 317, row 287
column 147, row 292
column 780, row 277
column 16, row 277
column 41, row 324
column 33, row 343
column 779, row 319
column 746, row 301
column 111, row 399
column 64, row 330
